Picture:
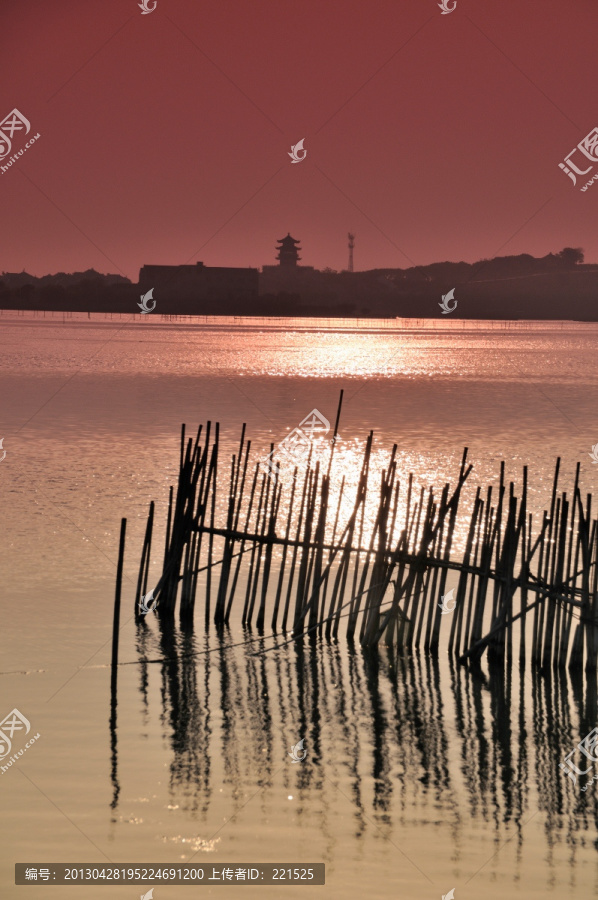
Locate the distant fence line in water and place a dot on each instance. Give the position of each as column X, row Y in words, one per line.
column 509, row 573
column 300, row 322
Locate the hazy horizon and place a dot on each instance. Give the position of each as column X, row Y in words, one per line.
column 300, row 265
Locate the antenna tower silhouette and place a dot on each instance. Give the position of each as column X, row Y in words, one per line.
column 351, row 245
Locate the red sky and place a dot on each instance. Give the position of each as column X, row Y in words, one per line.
column 164, row 137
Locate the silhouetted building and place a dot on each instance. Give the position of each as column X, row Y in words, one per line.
column 288, row 251
column 206, row 284
column 287, row 276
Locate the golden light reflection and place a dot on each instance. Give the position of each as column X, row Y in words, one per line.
column 345, row 476
column 386, row 349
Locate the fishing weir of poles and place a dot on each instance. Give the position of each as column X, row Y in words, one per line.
column 305, row 568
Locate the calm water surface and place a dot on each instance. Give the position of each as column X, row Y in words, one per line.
column 419, row 778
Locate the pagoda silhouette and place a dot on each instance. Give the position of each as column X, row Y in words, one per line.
column 288, row 251
column 288, row 276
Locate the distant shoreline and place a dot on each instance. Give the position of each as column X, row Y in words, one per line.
column 308, row 323
column 504, row 288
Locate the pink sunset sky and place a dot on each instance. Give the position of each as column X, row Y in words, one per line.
column 165, row 137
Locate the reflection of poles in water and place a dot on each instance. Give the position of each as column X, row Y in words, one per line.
column 419, row 741
column 500, row 688
column 554, row 736
column 351, row 723
column 381, row 765
column 357, row 713
column 113, row 751
column 504, row 760
column 560, row 723
column 143, row 642
column 189, row 729
column 522, row 771
column 206, row 727
column 470, row 693
column 232, row 705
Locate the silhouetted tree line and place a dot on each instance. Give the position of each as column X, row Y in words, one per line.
column 88, row 291
column 555, row 286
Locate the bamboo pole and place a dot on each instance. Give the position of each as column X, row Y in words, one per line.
column 144, row 564
column 296, row 546
column 284, row 558
column 116, row 616
column 213, row 484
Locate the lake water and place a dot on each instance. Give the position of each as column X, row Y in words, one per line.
column 419, row 777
